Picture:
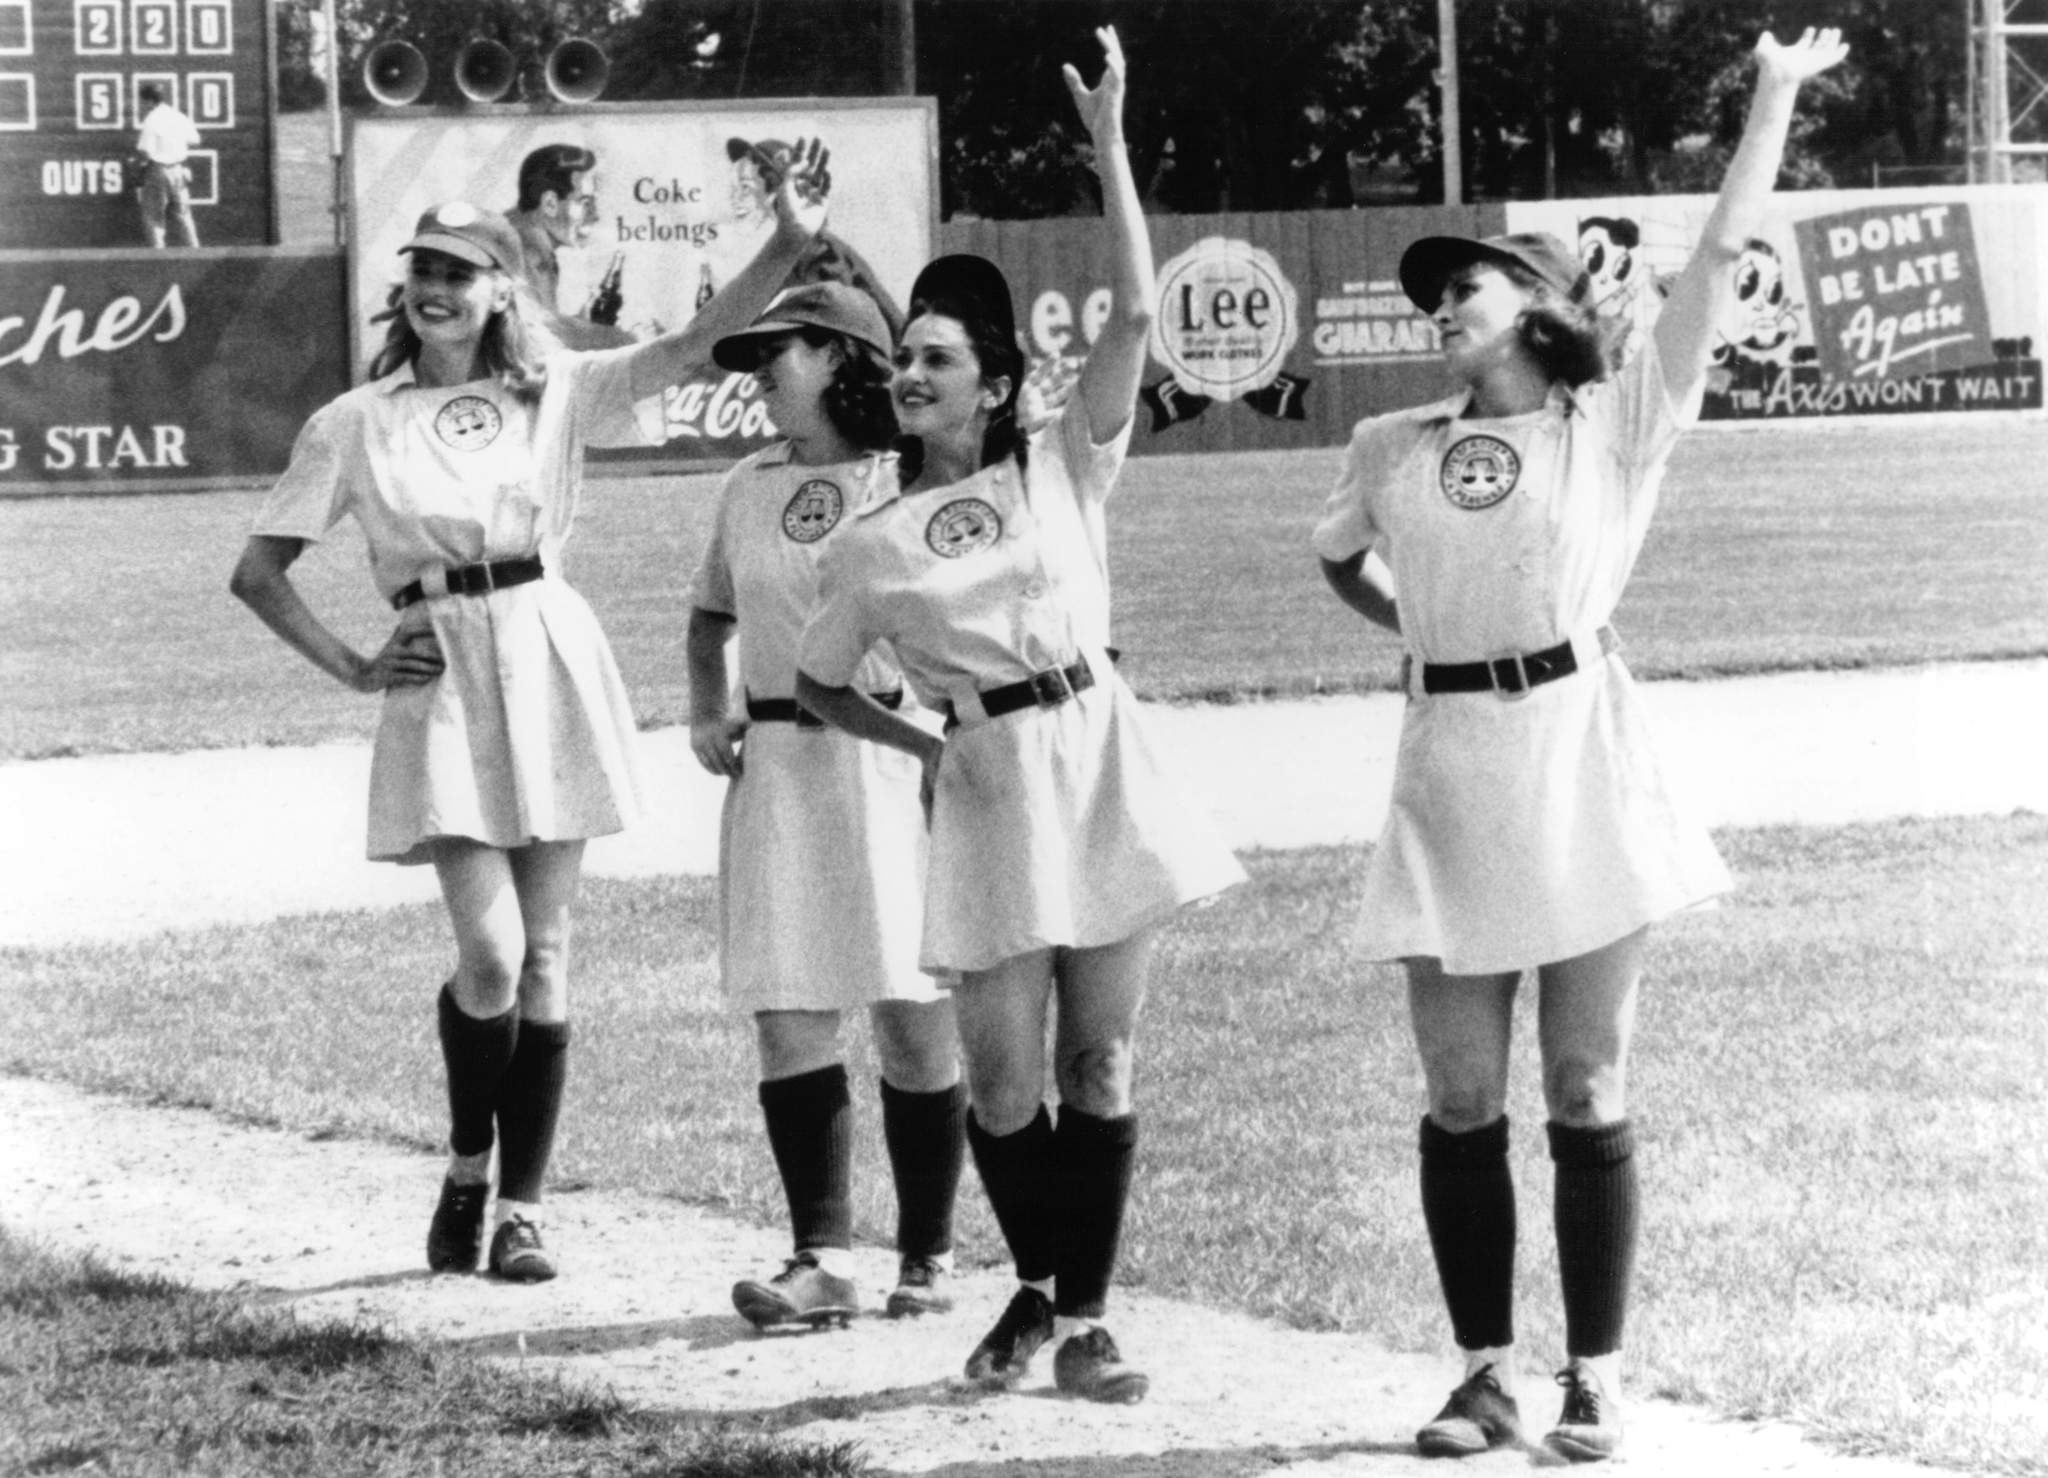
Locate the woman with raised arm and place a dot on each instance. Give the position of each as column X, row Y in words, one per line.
column 506, row 739
column 1529, row 826
column 821, row 857
column 1057, row 845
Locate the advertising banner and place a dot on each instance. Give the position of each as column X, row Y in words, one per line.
column 1280, row 329
column 144, row 371
column 1847, row 302
column 71, row 79
column 676, row 208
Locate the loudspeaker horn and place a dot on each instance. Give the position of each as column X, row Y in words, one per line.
column 577, row 71
column 485, row 71
column 395, row 73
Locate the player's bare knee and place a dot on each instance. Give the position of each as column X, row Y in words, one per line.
column 1096, row 1079
column 486, row 983
column 915, row 1044
column 1582, row 1092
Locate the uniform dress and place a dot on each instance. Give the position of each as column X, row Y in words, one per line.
column 1528, row 830
column 527, row 735
column 1050, row 825
column 821, row 853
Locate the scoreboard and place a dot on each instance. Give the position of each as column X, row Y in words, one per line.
column 69, row 74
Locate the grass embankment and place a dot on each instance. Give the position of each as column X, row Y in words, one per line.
column 1881, row 546
column 1840, row 1081
column 110, row 1372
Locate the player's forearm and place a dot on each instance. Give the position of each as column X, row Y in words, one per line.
column 859, row 715
column 1363, row 591
column 1753, row 173
column 704, row 646
column 675, row 356
column 262, row 584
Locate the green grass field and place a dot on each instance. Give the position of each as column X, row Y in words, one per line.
column 1840, row 1082
column 1824, row 549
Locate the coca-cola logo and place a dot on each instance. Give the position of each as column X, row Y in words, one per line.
column 118, row 323
column 707, row 411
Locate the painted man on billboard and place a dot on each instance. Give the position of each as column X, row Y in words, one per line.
column 556, row 209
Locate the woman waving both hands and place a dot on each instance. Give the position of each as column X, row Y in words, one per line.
column 1530, row 827
column 1058, row 845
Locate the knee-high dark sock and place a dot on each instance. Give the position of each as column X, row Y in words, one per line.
column 1598, row 1206
column 1468, row 1203
column 477, row 1052
column 1095, row 1157
column 810, row 1128
column 1017, row 1172
column 529, row 1107
column 926, row 1135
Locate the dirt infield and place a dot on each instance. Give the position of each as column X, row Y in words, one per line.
column 335, row 1228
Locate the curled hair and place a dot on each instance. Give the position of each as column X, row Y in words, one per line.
column 857, row 400
column 552, row 167
column 999, row 354
column 1565, row 336
column 515, row 345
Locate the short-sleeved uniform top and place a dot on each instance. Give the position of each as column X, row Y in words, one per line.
column 1529, row 830
column 527, row 735
column 822, row 850
column 1050, row 826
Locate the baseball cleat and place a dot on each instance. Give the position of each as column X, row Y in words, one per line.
column 1003, row 1358
column 923, row 1286
column 802, row 1292
column 517, row 1255
column 455, row 1237
column 1589, row 1428
column 1090, row 1366
column 1479, row 1416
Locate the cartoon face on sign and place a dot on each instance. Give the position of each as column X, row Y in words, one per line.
column 964, row 526
column 469, row 423
column 1479, row 471
column 814, row 511
column 1607, row 245
column 1767, row 321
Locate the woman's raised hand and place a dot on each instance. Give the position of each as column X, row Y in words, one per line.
column 1102, row 106
column 1813, row 53
column 801, row 192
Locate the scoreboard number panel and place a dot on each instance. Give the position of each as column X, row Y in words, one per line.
column 70, row 75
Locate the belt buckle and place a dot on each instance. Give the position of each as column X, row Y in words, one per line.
column 1050, row 688
column 1501, row 670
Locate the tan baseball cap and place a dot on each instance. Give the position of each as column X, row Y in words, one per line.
column 469, row 233
column 828, row 305
column 1428, row 264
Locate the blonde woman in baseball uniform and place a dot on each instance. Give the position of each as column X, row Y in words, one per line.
column 1529, row 825
column 506, row 739
column 1057, row 846
column 821, row 858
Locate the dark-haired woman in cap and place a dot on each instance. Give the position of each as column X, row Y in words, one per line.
column 506, row 739
column 1529, row 825
column 1057, row 845
column 821, row 857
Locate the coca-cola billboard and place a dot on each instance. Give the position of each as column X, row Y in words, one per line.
column 143, row 371
column 677, row 206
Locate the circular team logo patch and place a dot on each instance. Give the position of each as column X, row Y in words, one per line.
column 814, row 512
column 469, row 423
column 964, row 526
column 1479, row 471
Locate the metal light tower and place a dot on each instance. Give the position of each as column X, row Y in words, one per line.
column 2008, row 86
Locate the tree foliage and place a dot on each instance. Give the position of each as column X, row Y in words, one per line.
column 1272, row 104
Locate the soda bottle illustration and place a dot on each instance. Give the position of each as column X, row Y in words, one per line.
column 705, row 288
column 608, row 299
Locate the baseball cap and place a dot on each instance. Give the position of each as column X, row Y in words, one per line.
column 770, row 154
column 828, row 305
column 1428, row 264
column 962, row 275
column 483, row 238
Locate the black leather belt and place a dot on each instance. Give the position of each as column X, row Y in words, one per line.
column 1512, row 676
column 788, row 711
column 1047, row 689
column 476, row 579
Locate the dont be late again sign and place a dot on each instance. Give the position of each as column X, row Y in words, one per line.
column 69, row 74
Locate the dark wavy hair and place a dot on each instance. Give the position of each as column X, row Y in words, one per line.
column 515, row 346
column 857, row 400
column 998, row 354
column 1565, row 335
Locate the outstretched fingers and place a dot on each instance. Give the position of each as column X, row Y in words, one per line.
column 1816, row 50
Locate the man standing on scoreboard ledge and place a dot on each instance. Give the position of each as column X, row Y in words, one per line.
column 167, row 138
